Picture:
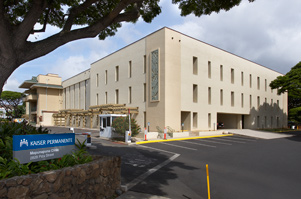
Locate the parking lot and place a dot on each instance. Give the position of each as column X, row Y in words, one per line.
column 239, row 167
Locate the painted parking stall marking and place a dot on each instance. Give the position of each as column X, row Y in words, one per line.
column 242, row 139
column 178, row 146
column 227, row 140
column 215, row 142
column 205, row 145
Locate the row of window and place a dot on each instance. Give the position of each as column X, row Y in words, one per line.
column 130, row 69
column 232, row 73
column 117, row 97
column 195, row 98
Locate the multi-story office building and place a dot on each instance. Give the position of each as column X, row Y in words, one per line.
column 176, row 80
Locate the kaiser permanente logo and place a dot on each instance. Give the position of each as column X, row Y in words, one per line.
column 25, row 142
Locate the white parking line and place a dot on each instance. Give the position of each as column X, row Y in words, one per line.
column 206, row 140
column 198, row 144
column 227, row 140
column 178, row 146
column 243, row 139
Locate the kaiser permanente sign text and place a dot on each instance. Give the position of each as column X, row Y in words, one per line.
column 33, row 148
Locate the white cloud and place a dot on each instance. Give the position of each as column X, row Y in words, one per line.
column 13, row 84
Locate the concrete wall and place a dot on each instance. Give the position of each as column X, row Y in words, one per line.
column 76, row 93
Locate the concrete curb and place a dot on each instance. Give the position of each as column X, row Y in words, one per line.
column 186, row 138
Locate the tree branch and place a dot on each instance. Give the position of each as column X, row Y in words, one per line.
column 44, row 25
column 76, row 11
column 26, row 27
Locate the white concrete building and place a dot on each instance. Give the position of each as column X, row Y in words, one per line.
column 175, row 79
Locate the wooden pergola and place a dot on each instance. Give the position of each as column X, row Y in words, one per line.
column 81, row 118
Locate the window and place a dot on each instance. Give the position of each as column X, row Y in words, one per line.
column 250, row 81
column 106, row 97
column 265, row 85
column 209, row 95
column 272, row 102
column 272, row 121
column 209, row 69
column 232, row 98
column 258, row 102
column 96, row 99
column 221, row 97
column 130, row 69
column 144, row 92
column 258, row 83
column 278, row 104
column 195, row 65
column 258, row 121
column 242, row 100
column 97, row 80
column 265, row 121
column 195, row 93
column 195, row 120
column 265, row 103
column 250, row 101
column 106, row 77
column 232, row 75
column 116, row 96
column 144, row 64
column 130, row 95
column 242, row 78
column 117, row 73
column 209, row 120
column 221, row 73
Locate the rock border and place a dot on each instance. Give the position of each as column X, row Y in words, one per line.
column 97, row 179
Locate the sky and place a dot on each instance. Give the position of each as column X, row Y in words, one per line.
column 267, row 32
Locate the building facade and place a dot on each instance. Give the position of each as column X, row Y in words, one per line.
column 44, row 98
column 177, row 81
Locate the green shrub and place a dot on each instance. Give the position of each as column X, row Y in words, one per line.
column 295, row 114
column 121, row 124
column 10, row 168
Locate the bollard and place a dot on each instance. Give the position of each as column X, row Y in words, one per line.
column 145, row 134
column 165, row 132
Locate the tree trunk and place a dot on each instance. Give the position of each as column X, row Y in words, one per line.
column 6, row 70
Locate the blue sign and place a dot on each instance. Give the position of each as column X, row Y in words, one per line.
column 32, row 148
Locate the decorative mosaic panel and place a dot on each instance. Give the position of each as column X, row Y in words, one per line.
column 155, row 75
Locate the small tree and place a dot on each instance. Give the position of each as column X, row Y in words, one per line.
column 11, row 101
column 121, row 124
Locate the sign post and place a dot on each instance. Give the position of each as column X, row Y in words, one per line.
column 34, row 148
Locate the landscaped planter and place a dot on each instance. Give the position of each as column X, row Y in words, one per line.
column 97, row 179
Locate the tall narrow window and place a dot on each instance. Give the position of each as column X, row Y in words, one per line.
column 232, row 75
column 278, row 104
column 265, row 121
column 106, row 97
column 97, row 80
column 258, row 83
column 265, row 103
column 144, row 64
column 272, row 121
column 221, row 73
column 195, row 65
column 209, row 95
column 258, row 102
column 116, row 96
column 250, row 101
column 242, row 78
column 232, row 98
column 209, row 120
column 277, row 122
column 195, row 120
column 250, row 81
column 117, row 73
column 272, row 102
column 144, row 92
column 209, row 69
column 265, row 85
column 221, row 97
column 130, row 69
column 106, row 77
column 242, row 100
column 130, row 95
column 195, row 93
column 96, row 99
column 258, row 121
